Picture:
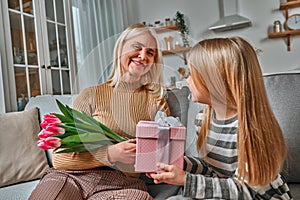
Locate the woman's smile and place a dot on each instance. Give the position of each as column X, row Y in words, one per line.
column 138, row 63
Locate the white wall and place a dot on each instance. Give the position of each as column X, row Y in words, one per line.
column 203, row 13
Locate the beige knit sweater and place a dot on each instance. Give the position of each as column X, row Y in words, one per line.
column 120, row 108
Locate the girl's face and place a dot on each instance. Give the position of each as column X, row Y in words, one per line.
column 137, row 56
column 198, row 93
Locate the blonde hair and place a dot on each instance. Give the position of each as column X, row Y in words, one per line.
column 155, row 75
column 228, row 70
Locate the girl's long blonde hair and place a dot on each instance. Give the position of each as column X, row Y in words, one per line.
column 229, row 71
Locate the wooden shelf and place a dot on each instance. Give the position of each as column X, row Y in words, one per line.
column 284, row 33
column 182, row 50
column 288, row 33
column 289, row 4
column 166, row 28
column 176, row 51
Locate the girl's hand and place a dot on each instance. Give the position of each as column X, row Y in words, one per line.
column 123, row 152
column 171, row 174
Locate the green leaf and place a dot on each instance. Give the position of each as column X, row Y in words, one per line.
column 70, row 145
column 71, row 139
column 83, row 132
column 108, row 131
column 61, row 136
column 69, row 150
column 83, row 147
column 83, row 117
column 87, row 145
column 79, row 128
column 70, row 127
column 87, row 127
column 115, row 137
column 63, row 118
column 64, row 109
column 85, row 138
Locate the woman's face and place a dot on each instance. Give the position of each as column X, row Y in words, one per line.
column 138, row 55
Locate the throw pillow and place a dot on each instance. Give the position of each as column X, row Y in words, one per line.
column 20, row 158
column 178, row 102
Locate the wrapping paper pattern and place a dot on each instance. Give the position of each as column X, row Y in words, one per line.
column 153, row 145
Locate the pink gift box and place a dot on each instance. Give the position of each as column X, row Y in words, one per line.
column 158, row 144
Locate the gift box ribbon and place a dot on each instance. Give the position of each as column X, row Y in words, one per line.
column 163, row 144
column 164, row 124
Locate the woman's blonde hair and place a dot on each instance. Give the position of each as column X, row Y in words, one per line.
column 155, row 74
column 228, row 70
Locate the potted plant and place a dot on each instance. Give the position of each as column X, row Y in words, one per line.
column 182, row 28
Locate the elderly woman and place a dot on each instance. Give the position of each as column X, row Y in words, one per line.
column 132, row 93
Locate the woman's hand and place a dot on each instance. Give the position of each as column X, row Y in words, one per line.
column 171, row 174
column 123, row 152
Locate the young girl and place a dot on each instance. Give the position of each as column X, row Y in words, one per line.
column 240, row 143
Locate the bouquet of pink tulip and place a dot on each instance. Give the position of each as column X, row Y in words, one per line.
column 74, row 131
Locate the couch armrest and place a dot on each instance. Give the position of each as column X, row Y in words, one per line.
column 283, row 90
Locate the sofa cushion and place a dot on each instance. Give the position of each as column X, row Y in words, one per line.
column 295, row 190
column 20, row 158
column 178, row 103
column 47, row 103
column 192, row 136
column 18, row 191
column 284, row 96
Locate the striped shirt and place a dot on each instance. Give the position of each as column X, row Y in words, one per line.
column 215, row 177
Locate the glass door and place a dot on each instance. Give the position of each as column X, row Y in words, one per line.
column 57, row 61
column 24, row 50
column 40, row 48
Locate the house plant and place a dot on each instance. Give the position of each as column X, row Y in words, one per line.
column 182, row 27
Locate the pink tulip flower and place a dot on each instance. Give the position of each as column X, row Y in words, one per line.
column 44, row 134
column 51, row 130
column 48, row 143
column 55, row 129
column 41, row 144
column 49, row 119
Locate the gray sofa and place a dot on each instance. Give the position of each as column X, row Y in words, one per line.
column 21, row 165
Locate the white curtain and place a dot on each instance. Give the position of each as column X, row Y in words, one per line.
column 2, row 100
column 97, row 24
